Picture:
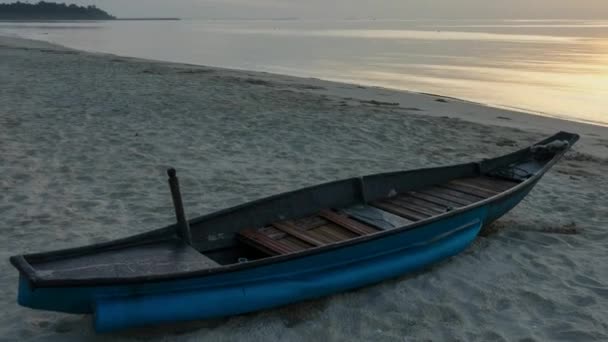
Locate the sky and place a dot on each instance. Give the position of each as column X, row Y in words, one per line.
column 340, row 9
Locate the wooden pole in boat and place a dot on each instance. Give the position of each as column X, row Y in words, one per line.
column 183, row 228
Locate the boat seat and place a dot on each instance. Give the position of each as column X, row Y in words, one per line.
column 438, row 199
column 157, row 258
column 377, row 217
column 328, row 226
column 290, row 236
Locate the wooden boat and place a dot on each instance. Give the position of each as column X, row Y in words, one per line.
column 286, row 248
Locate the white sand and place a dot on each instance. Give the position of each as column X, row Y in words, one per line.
column 85, row 140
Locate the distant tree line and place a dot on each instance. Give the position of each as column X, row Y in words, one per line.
column 50, row 11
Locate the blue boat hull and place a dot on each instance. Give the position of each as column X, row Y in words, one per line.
column 275, row 284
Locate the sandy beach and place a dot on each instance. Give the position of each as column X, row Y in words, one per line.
column 85, row 140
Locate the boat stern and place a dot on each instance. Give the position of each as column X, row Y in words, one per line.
column 61, row 299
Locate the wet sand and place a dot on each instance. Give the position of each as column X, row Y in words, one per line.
column 85, row 140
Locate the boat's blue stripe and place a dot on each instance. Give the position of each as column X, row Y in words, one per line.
column 119, row 313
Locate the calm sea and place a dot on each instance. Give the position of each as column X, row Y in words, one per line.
column 555, row 68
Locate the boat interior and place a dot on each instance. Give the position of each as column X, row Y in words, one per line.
column 328, row 226
column 331, row 226
column 328, row 214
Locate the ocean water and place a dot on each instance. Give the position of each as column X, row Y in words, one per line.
column 550, row 67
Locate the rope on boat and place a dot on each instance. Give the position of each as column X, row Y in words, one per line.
column 547, row 151
column 540, row 153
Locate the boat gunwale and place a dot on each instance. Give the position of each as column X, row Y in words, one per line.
column 22, row 264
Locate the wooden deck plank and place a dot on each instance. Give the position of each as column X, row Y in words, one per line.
column 398, row 210
column 345, row 222
column 296, row 243
column 473, row 191
column 322, row 236
column 292, row 230
column 457, row 194
column 477, row 187
column 435, row 200
column 265, row 242
column 439, row 193
column 325, row 236
column 491, row 183
column 484, row 185
column 408, row 204
column 272, row 233
column 417, row 204
column 337, row 231
column 376, row 217
column 309, row 222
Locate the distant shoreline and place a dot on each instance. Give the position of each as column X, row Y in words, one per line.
column 51, row 10
column 144, row 19
column 115, row 19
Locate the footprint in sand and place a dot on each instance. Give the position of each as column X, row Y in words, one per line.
column 503, row 304
column 582, row 301
column 584, row 280
column 63, row 327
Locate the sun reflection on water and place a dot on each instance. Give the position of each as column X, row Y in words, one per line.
column 556, row 67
